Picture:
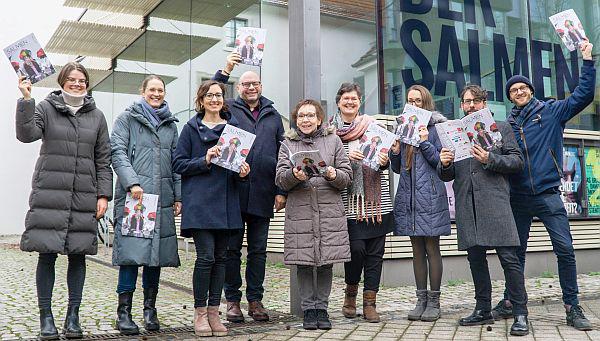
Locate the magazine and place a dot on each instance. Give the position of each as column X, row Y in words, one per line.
column 569, row 29
column 250, row 44
column 409, row 123
column 375, row 140
column 309, row 161
column 235, row 146
column 29, row 59
column 478, row 128
column 139, row 216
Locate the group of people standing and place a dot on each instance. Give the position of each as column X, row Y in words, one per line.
column 341, row 216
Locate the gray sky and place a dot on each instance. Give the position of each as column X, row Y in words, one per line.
column 19, row 19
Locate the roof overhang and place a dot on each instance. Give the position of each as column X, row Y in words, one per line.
column 125, row 82
column 137, row 7
column 208, row 12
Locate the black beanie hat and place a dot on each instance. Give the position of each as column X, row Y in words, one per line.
column 517, row 79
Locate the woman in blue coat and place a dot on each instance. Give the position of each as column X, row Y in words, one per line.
column 211, row 204
column 421, row 206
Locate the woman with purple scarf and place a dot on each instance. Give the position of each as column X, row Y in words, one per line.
column 367, row 203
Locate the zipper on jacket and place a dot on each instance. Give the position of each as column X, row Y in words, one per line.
column 560, row 173
column 522, row 133
column 132, row 154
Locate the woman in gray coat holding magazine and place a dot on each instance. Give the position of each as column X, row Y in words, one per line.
column 316, row 233
column 142, row 140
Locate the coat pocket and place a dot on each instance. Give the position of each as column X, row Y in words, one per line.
column 555, row 161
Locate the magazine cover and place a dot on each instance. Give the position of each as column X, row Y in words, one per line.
column 235, row 145
column 569, row 28
column 250, row 44
column 454, row 137
column 409, row 123
column 139, row 216
column 311, row 162
column 375, row 140
column 482, row 130
column 29, row 59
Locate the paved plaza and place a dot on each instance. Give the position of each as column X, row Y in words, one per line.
column 18, row 306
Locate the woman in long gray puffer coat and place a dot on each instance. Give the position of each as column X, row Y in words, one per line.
column 143, row 139
column 71, row 187
column 421, row 206
column 316, row 232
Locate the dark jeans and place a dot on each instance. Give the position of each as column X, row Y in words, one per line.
column 366, row 254
column 513, row 274
column 44, row 278
column 549, row 208
column 257, row 231
column 209, row 270
column 128, row 277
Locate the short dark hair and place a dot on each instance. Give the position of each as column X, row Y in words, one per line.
column 347, row 87
column 203, row 90
column 148, row 79
column 318, row 108
column 477, row 91
column 67, row 69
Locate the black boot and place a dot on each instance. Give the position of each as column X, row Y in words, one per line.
column 71, row 328
column 520, row 327
column 124, row 322
column 477, row 317
column 47, row 328
column 150, row 317
column 323, row 321
column 310, row 319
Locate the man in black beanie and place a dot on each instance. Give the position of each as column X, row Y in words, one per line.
column 538, row 128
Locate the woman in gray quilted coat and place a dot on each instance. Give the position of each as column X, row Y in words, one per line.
column 71, row 187
column 421, row 206
column 143, row 139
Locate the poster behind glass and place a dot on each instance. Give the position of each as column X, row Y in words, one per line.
column 571, row 184
column 592, row 174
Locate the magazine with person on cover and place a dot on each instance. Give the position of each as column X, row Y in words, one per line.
column 250, row 44
column 569, row 28
column 139, row 216
column 478, row 128
column 375, row 140
column 29, row 59
column 409, row 122
column 235, row 146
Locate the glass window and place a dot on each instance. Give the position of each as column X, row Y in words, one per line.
column 592, row 175
column 231, row 30
column 571, row 182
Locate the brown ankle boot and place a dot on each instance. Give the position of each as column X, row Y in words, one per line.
column 349, row 308
column 369, row 302
column 214, row 320
column 257, row 311
column 201, row 326
column 234, row 313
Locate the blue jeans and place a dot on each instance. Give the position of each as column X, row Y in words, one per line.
column 549, row 208
column 257, row 231
column 128, row 277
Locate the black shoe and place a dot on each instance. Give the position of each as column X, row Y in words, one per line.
column 476, row 318
column 520, row 327
column 71, row 328
column 501, row 311
column 124, row 322
column 150, row 317
column 47, row 328
column 310, row 319
column 577, row 320
column 323, row 319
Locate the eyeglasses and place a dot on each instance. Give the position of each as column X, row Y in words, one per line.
column 217, row 95
column 474, row 101
column 415, row 101
column 522, row 88
column 310, row 116
column 76, row 81
column 350, row 99
column 246, row 85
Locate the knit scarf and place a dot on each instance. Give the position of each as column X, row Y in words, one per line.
column 365, row 190
column 154, row 115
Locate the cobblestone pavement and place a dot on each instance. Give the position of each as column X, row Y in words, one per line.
column 18, row 306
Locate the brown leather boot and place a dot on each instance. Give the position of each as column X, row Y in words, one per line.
column 369, row 312
column 201, row 326
column 214, row 320
column 349, row 308
column 257, row 311
column 234, row 313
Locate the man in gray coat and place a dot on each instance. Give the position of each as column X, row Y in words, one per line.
column 485, row 224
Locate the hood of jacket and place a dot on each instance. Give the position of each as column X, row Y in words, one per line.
column 264, row 103
column 436, row 117
column 210, row 134
column 56, row 99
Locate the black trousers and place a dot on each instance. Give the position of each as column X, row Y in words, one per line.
column 513, row 274
column 209, row 269
column 367, row 255
column 44, row 278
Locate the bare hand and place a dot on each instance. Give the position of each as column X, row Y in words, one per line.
column 299, row 174
column 355, row 155
column 586, row 50
column 233, row 59
column 244, row 169
column 177, row 208
column 136, row 192
column 25, row 87
column 383, row 159
column 212, row 153
column 480, row 154
column 279, row 202
column 330, row 173
column 446, row 157
column 396, row 147
column 423, row 134
column 101, row 207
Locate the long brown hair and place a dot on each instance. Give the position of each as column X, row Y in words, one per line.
column 428, row 104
